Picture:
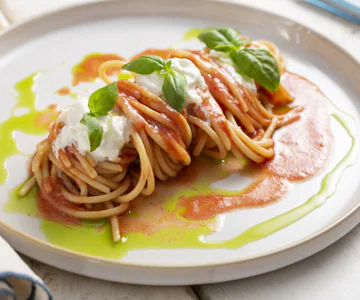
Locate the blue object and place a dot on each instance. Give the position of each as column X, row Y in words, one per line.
column 37, row 290
column 344, row 8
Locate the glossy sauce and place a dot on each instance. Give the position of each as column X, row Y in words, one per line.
column 301, row 150
column 88, row 69
column 47, row 116
column 181, row 210
column 64, row 91
column 47, row 203
column 161, row 210
column 169, row 130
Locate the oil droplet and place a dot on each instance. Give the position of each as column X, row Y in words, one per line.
column 193, row 33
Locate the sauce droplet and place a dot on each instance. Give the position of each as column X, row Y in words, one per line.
column 64, row 91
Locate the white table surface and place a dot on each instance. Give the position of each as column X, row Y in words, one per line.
column 334, row 273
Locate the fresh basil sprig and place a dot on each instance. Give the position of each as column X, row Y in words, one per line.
column 256, row 63
column 174, row 89
column 103, row 100
column 146, row 64
column 100, row 103
column 175, row 84
column 221, row 39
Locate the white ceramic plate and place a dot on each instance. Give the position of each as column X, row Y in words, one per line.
column 54, row 43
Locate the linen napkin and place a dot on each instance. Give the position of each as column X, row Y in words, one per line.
column 17, row 280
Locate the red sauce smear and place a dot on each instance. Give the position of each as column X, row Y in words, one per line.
column 48, row 202
column 64, row 91
column 301, row 150
column 46, row 117
column 149, row 213
column 88, row 69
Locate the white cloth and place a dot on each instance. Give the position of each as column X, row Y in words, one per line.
column 17, row 280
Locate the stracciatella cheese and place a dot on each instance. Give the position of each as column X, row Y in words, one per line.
column 116, row 132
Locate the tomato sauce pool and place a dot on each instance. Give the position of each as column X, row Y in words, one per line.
column 301, row 150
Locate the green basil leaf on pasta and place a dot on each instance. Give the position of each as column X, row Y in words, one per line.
column 174, row 89
column 243, row 43
column 221, row 39
column 146, row 64
column 95, row 130
column 103, row 100
column 168, row 66
column 258, row 64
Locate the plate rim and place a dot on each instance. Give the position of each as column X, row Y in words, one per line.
column 267, row 254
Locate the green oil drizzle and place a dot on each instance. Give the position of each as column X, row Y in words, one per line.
column 95, row 237
column 24, row 123
column 74, row 95
column 26, row 96
column 194, row 32
column 125, row 76
column 327, row 189
column 87, row 239
column 22, row 205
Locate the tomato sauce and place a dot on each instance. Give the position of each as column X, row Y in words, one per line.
column 88, row 69
column 64, row 91
column 47, row 203
column 46, row 117
column 302, row 149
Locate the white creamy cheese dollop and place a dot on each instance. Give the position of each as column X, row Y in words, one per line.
column 223, row 58
column 116, row 132
column 154, row 81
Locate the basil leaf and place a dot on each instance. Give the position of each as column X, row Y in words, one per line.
column 231, row 35
column 174, row 89
column 95, row 130
column 168, row 66
column 103, row 100
column 146, row 64
column 258, row 64
column 221, row 39
column 243, row 43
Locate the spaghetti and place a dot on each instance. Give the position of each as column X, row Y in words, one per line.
column 231, row 118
